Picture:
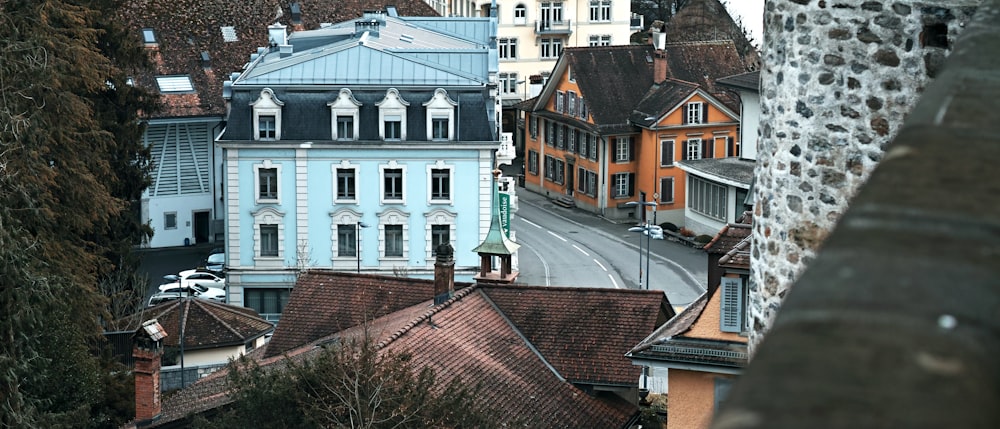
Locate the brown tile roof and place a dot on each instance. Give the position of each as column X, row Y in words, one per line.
column 661, row 98
column 208, row 324
column 584, row 332
column 186, row 28
column 738, row 256
column 525, row 344
column 727, row 238
column 314, row 311
column 610, row 78
column 704, row 62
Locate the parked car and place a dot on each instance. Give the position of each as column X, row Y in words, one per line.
column 200, row 277
column 161, row 297
column 195, row 290
column 216, row 261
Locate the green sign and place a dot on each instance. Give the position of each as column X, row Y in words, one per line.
column 505, row 214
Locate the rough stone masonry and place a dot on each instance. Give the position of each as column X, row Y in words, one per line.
column 838, row 79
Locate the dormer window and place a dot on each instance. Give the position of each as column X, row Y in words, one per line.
column 267, row 116
column 392, row 116
column 440, row 116
column 344, row 116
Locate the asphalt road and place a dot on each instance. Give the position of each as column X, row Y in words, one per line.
column 157, row 263
column 572, row 247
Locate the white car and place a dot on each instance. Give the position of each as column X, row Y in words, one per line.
column 193, row 289
column 653, row 231
column 199, row 277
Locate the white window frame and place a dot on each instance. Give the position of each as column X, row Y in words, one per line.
column 600, row 10
column 440, row 106
column 438, row 217
column 693, row 148
column 440, row 165
column 508, row 83
column 725, row 144
column 707, row 198
column 621, row 185
column 344, row 216
column 507, row 48
column 393, row 216
column 599, row 40
column 267, row 164
column 267, row 104
column 392, row 105
column 551, row 48
column 664, row 198
column 667, row 147
column 346, row 165
column 344, row 105
column 623, row 149
column 520, row 14
column 693, row 110
column 391, row 165
column 268, row 216
column 560, row 101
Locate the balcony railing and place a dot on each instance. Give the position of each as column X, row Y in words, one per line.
column 896, row 324
column 553, row 27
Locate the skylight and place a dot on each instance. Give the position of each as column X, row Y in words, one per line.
column 180, row 83
column 148, row 35
column 229, row 34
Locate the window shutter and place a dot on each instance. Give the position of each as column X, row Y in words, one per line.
column 704, row 113
column 687, row 109
column 732, row 304
column 732, row 146
column 684, row 152
column 631, row 149
column 631, row 184
column 707, row 146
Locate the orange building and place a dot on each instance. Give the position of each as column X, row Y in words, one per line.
column 702, row 350
column 611, row 121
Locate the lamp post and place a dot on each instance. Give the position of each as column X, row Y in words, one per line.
column 357, row 248
column 645, row 229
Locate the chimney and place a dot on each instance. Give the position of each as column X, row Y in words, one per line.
column 146, row 350
column 297, row 24
column 276, row 35
column 658, row 38
column 206, row 60
column 444, row 273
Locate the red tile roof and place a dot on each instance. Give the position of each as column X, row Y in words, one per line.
column 314, row 310
column 186, row 28
column 208, row 324
column 584, row 332
column 733, row 241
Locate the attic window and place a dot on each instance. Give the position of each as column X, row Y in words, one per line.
column 174, row 83
column 148, row 36
column 229, row 34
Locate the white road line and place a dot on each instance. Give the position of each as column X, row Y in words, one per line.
column 531, row 223
column 545, row 265
column 613, row 281
column 599, row 264
column 581, row 250
column 557, row 236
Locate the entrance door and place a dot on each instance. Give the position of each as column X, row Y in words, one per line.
column 570, row 177
column 201, row 227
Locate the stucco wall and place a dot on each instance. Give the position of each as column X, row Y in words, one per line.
column 838, row 79
column 693, row 409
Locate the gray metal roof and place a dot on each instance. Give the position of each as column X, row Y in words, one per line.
column 732, row 169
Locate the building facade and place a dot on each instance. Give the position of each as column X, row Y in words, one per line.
column 362, row 145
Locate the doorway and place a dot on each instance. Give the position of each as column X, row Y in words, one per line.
column 201, row 226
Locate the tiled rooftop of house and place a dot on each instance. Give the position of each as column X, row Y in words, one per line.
column 208, row 323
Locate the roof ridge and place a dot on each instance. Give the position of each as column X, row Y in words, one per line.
column 520, row 334
column 459, row 294
column 217, row 318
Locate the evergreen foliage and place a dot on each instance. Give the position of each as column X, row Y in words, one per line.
column 349, row 385
column 71, row 163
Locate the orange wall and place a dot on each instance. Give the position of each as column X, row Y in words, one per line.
column 707, row 326
column 691, row 401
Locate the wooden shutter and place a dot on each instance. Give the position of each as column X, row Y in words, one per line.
column 684, row 150
column 684, row 116
column 631, row 184
column 631, row 149
column 731, row 143
column 704, row 113
column 731, row 318
column 707, row 148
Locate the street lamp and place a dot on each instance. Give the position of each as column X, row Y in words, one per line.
column 646, row 229
column 357, row 249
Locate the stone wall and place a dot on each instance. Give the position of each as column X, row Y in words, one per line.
column 838, row 78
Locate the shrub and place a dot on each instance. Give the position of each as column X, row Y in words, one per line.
column 667, row 226
column 686, row 232
column 703, row 238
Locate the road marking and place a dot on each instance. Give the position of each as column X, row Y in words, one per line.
column 557, row 236
column 545, row 265
column 531, row 223
column 599, row 264
column 581, row 250
column 613, row 281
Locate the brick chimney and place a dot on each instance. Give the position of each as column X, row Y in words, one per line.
column 146, row 350
column 658, row 38
column 444, row 273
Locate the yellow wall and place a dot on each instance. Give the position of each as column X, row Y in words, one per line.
column 691, row 401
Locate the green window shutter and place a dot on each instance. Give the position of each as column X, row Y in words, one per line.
column 732, row 304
